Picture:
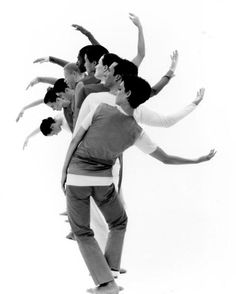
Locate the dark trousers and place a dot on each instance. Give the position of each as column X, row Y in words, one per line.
column 78, row 207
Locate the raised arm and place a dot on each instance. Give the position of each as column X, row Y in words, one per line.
column 35, row 132
column 33, row 104
column 149, row 117
column 141, row 43
column 86, row 33
column 166, row 78
column 46, row 80
column 51, row 59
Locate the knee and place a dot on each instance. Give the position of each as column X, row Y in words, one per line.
column 120, row 224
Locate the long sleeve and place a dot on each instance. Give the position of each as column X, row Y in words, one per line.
column 58, row 61
column 148, row 117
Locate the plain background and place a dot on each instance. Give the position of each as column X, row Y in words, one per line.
column 181, row 232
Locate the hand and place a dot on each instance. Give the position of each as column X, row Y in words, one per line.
column 20, row 115
column 32, row 83
column 208, row 156
column 42, row 60
column 174, row 59
column 63, row 182
column 80, row 28
column 25, row 143
column 135, row 20
column 200, row 95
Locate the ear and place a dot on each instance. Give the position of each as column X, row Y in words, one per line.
column 118, row 78
column 128, row 93
column 94, row 63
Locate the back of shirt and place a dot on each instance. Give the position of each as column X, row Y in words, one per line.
column 111, row 133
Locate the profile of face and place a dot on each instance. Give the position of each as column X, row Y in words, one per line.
column 122, row 95
column 109, row 78
column 55, row 128
column 58, row 105
column 101, row 70
column 89, row 66
column 70, row 78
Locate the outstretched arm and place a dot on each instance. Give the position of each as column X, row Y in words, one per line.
column 145, row 144
column 46, row 80
column 172, row 159
column 86, row 33
column 35, row 132
column 166, row 78
column 52, row 59
column 141, row 43
column 35, row 103
column 149, row 117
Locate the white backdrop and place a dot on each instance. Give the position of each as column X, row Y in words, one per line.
column 181, row 233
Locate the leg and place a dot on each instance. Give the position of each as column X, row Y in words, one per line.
column 78, row 207
column 115, row 215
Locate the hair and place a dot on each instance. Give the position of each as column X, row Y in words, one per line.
column 81, row 59
column 95, row 52
column 109, row 58
column 126, row 67
column 60, row 86
column 50, row 96
column 72, row 67
column 46, row 125
column 140, row 90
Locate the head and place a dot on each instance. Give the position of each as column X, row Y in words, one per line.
column 117, row 71
column 50, row 126
column 80, row 59
column 62, row 90
column 92, row 56
column 134, row 91
column 104, row 63
column 52, row 98
column 72, row 74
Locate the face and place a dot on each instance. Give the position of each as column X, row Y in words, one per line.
column 67, row 95
column 101, row 70
column 90, row 66
column 121, row 96
column 110, row 78
column 56, row 128
column 58, row 105
column 70, row 79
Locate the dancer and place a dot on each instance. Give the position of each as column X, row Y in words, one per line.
column 104, row 134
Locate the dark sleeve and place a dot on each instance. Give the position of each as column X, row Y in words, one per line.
column 58, row 61
column 162, row 83
column 79, row 99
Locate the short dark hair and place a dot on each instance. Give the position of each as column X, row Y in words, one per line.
column 80, row 59
column 50, row 96
column 140, row 90
column 60, row 86
column 126, row 67
column 95, row 52
column 109, row 58
column 46, row 125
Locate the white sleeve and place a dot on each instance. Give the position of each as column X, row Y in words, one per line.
column 148, row 117
column 60, row 116
column 86, row 123
column 145, row 144
column 84, row 111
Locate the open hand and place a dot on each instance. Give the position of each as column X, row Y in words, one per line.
column 200, row 95
column 32, row 83
column 135, row 19
column 174, row 60
column 19, row 115
column 42, row 60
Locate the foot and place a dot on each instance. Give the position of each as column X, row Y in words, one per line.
column 109, row 288
column 123, row 271
column 71, row 236
column 117, row 273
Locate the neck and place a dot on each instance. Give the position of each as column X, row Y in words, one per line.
column 127, row 109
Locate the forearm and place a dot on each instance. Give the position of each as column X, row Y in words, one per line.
column 172, row 159
column 141, row 48
column 91, row 38
column 33, row 104
column 58, row 61
column 162, row 83
column 47, row 80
